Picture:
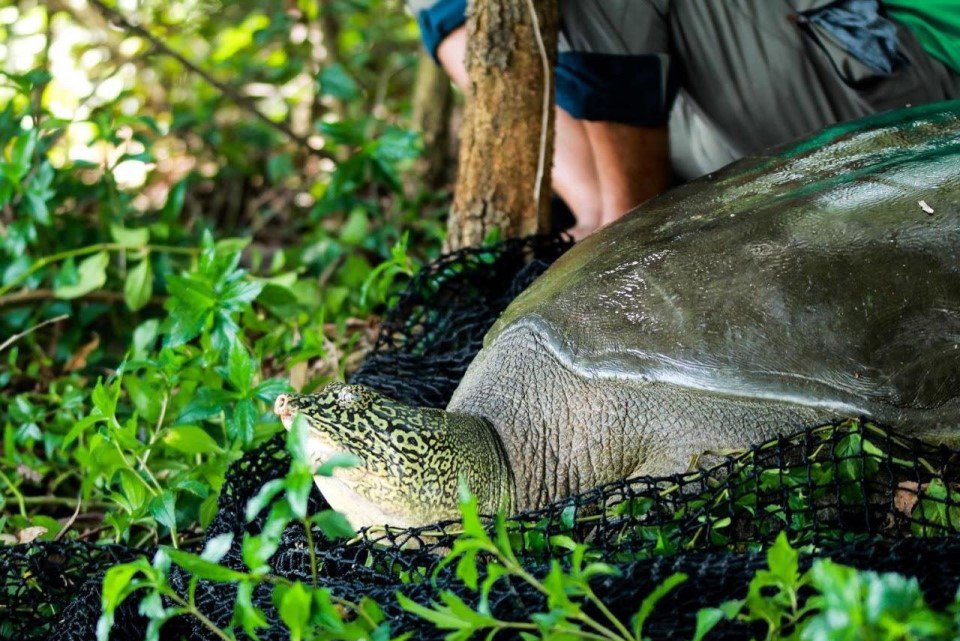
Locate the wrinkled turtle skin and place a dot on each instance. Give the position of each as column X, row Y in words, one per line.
column 789, row 289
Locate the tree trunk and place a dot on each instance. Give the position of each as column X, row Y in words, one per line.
column 432, row 104
column 506, row 141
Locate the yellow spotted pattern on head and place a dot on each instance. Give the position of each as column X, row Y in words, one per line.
column 410, row 463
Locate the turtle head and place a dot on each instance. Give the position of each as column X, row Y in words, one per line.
column 410, row 459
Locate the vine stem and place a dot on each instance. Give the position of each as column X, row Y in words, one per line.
column 28, row 296
column 519, row 570
column 65, row 501
column 192, row 609
column 520, row 625
column 143, row 466
column 545, row 115
column 156, row 430
column 355, row 607
column 133, row 470
column 607, row 613
column 13, row 339
column 312, row 552
column 16, row 493
column 93, row 249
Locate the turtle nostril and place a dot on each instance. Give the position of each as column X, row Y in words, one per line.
column 280, row 404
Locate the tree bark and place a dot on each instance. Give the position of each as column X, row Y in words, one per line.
column 506, row 141
column 432, row 104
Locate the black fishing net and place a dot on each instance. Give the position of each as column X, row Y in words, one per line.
column 858, row 493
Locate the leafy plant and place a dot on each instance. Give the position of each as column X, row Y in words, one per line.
column 567, row 590
column 110, row 270
column 307, row 611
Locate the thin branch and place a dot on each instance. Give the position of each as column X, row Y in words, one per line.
column 545, row 116
column 70, row 521
column 13, row 339
column 32, row 296
column 40, row 263
column 119, row 19
column 65, row 501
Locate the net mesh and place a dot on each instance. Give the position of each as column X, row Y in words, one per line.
column 863, row 495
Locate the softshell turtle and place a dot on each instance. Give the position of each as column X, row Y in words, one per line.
column 815, row 281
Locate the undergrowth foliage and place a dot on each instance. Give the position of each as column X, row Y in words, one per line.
column 140, row 350
column 787, row 598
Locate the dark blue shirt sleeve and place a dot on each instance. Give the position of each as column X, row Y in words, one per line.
column 439, row 20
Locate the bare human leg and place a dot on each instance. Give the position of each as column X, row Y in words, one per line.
column 632, row 163
column 600, row 169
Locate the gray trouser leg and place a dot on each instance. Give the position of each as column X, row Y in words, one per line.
column 753, row 74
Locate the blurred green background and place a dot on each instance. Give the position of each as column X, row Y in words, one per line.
column 212, row 213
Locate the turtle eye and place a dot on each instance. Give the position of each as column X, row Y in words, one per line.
column 351, row 397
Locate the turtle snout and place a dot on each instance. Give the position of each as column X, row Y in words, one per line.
column 283, row 407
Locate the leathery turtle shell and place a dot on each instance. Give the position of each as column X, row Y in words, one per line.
column 826, row 270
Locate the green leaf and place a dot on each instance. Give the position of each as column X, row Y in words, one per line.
column 240, row 368
column 217, row 547
column 783, row 560
column 105, row 398
column 256, row 551
column 467, row 569
column 263, row 497
column 707, row 619
column 146, row 396
column 243, row 291
column 195, row 487
column 117, row 585
column 144, row 337
column 162, row 508
column 38, row 207
column 139, row 285
column 115, row 581
column 241, row 422
column 333, row 524
column 231, row 40
column 440, row 617
column 203, row 568
column 133, row 488
column 191, row 440
column 185, row 326
column 299, row 482
column 79, row 428
column 646, row 607
column 208, row 510
column 91, row 273
column 194, row 294
column 232, row 245
column 354, row 229
column 205, row 403
column 135, row 237
column 340, row 459
column 335, row 81
column 297, row 439
column 21, row 155
column 249, row 616
column 397, row 144
column 151, row 606
column 294, row 609
column 279, row 167
column 270, row 389
column 174, row 204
